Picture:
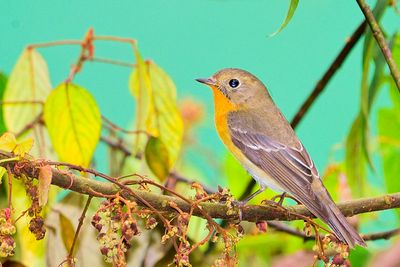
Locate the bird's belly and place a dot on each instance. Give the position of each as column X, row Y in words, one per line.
column 261, row 177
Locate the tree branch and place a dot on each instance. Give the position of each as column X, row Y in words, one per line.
column 380, row 39
column 367, row 237
column 251, row 213
column 320, row 86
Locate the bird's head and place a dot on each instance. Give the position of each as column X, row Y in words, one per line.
column 238, row 86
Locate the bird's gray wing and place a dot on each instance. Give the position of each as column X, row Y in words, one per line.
column 292, row 168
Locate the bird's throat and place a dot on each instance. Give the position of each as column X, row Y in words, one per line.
column 222, row 105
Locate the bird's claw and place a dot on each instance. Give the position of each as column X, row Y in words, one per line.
column 239, row 205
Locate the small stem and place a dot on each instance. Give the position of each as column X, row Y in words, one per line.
column 30, row 125
column 24, row 102
column 380, row 39
column 114, row 38
column 10, row 175
column 55, row 43
column 9, row 160
column 112, row 62
column 117, row 128
column 81, row 219
column 281, row 227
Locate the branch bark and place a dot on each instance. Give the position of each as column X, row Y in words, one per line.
column 251, row 213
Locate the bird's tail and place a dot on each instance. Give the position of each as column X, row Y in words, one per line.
column 331, row 215
column 342, row 228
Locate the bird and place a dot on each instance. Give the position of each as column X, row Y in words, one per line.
column 256, row 132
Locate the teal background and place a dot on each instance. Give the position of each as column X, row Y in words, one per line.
column 192, row 39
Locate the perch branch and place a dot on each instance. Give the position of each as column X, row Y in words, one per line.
column 251, row 213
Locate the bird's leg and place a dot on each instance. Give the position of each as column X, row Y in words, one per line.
column 281, row 198
column 243, row 202
column 250, row 197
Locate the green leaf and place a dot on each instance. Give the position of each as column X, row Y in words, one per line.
column 3, row 83
column 68, row 231
column 396, row 48
column 359, row 256
column 157, row 158
column 289, row 15
column 139, row 85
column 357, row 142
column 389, row 144
column 28, row 86
column 73, row 121
column 157, row 112
column 355, row 157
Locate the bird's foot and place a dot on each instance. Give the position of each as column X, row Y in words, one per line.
column 268, row 202
column 239, row 205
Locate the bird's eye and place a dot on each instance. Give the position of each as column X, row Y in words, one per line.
column 233, row 83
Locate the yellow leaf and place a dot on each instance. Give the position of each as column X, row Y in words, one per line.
column 8, row 142
column 23, row 147
column 2, row 172
column 28, row 85
column 73, row 121
column 157, row 158
column 157, row 112
column 45, row 177
column 167, row 119
column 67, row 232
column 139, row 84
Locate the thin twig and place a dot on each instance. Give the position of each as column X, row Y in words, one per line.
column 122, row 130
column 115, row 39
column 380, row 39
column 336, row 64
column 112, row 62
column 55, row 43
column 281, row 227
column 81, row 219
column 30, row 125
column 9, row 176
column 116, row 144
column 22, row 102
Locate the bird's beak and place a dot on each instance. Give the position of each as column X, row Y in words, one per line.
column 208, row 81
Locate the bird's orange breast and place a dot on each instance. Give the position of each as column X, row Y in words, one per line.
column 223, row 106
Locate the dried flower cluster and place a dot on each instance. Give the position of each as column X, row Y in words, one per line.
column 36, row 224
column 7, row 230
column 117, row 226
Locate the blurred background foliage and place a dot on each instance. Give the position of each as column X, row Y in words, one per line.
column 352, row 131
